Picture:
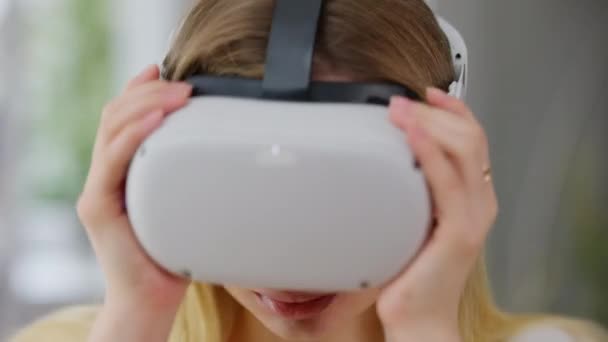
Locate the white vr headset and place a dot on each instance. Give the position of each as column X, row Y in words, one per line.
column 284, row 182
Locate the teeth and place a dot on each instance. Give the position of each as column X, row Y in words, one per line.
column 306, row 300
column 295, row 301
column 271, row 303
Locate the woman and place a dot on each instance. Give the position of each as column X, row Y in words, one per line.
column 442, row 296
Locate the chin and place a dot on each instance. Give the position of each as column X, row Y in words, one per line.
column 301, row 321
column 312, row 329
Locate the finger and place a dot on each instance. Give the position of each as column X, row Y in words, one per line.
column 114, row 110
column 464, row 223
column 116, row 104
column 406, row 112
column 431, row 270
column 454, row 247
column 467, row 148
column 440, row 99
column 119, row 153
column 150, row 73
column 165, row 96
column 447, row 188
column 461, row 139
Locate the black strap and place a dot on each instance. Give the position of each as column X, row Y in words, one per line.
column 291, row 48
column 334, row 92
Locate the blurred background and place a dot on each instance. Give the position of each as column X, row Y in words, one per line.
column 538, row 82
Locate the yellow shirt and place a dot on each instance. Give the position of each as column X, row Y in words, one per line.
column 68, row 325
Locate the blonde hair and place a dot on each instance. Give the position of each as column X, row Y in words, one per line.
column 387, row 40
column 208, row 314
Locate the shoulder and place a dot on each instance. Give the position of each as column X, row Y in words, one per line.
column 543, row 332
column 70, row 325
column 561, row 330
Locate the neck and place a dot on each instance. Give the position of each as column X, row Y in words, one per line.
column 365, row 328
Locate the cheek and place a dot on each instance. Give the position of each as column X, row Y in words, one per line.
column 349, row 305
column 242, row 296
column 248, row 300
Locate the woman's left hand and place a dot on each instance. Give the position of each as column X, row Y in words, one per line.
column 422, row 304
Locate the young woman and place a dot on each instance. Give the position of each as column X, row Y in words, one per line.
column 443, row 296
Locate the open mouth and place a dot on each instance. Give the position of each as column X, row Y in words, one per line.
column 293, row 305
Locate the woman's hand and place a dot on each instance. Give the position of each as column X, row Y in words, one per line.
column 141, row 299
column 452, row 149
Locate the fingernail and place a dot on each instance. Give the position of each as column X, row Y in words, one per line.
column 396, row 99
column 432, row 91
column 401, row 101
column 185, row 85
column 179, row 91
column 148, row 69
column 403, row 106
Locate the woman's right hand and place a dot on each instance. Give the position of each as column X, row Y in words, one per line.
column 138, row 292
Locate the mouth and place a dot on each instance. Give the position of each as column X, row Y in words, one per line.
column 293, row 305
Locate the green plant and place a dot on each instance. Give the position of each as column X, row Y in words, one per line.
column 74, row 58
column 591, row 235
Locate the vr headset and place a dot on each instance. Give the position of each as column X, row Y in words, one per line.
column 284, row 182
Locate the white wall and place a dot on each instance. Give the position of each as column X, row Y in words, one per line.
column 142, row 31
column 10, row 84
column 539, row 74
column 11, row 141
